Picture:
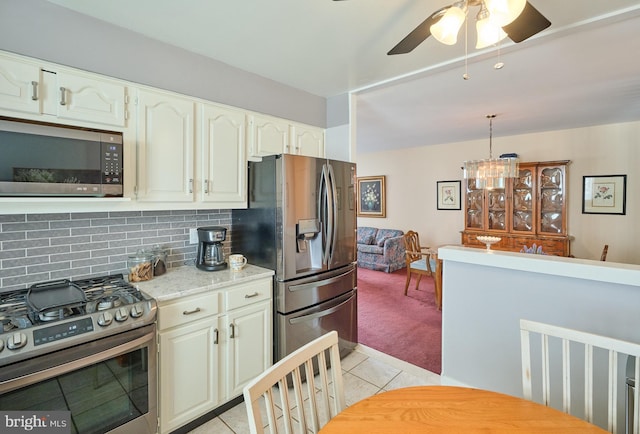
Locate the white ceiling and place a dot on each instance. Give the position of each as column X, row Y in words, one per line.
column 583, row 70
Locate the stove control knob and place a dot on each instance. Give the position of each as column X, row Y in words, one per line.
column 105, row 319
column 16, row 341
column 122, row 314
column 137, row 310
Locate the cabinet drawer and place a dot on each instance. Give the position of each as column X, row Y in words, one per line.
column 247, row 294
column 188, row 309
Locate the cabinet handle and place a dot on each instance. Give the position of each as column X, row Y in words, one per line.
column 215, row 341
column 63, row 96
column 190, row 185
column 189, row 312
column 206, row 186
column 34, row 90
column 233, row 330
column 255, row 294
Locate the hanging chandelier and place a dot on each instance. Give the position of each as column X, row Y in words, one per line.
column 493, row 15
column 491, row 173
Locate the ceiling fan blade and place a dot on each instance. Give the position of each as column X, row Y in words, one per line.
column 419, row 34
column 528, row 23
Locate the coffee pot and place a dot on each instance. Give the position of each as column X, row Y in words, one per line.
column 210, row 254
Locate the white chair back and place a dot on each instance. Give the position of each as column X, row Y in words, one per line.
column 579, row 344
column 306, row 409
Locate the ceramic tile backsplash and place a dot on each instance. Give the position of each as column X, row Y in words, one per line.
column 40, row 247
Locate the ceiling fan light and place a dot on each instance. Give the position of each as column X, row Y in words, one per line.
column 504, row 12
column 447, row 28
column 489, row 33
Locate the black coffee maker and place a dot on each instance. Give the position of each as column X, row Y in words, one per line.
column 210, row 255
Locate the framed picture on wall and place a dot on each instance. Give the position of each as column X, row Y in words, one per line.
column 604, row 194
column 371, row 197
column 448, row 195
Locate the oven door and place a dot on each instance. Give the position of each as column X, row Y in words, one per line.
column 108, row 385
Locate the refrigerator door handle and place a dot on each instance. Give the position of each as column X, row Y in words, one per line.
column 333, row 212
column 324, row 211
column 317, row 283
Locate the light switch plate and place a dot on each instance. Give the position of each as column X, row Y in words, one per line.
column 193, row 236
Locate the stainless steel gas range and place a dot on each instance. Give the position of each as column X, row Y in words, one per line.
column 86, row 347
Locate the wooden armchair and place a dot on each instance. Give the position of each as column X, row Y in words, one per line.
column 417, row 259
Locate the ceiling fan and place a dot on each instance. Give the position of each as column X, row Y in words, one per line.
column 524, row 21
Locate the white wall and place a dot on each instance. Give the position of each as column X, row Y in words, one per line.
column 411, row 176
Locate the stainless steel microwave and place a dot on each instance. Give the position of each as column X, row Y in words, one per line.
column 38, row 159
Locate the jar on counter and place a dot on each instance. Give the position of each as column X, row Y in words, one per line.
column 159, row 260
column 140, row 266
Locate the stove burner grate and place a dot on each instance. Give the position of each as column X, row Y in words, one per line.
column 98, row 293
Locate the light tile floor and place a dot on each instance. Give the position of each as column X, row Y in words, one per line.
column 365, row 372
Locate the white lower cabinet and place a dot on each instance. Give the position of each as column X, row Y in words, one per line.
column 248, row 329
column 188, row 373
column 210, row 346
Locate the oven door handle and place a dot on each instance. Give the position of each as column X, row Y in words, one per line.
column 53, row 371
column 322, row 313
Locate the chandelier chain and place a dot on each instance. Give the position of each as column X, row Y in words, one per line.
column 490, row 117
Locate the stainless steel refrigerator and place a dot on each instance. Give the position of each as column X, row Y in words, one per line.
column 301, row 223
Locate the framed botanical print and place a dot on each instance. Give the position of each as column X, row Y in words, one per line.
column 449, row 195
column 371, row 197
column 604, row 194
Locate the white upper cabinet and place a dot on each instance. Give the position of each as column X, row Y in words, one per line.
column 223, row 148
column 307, row 140
column 166, row 147
column 19, row 87
column 59, row 95
column 269, row 136
column 78, row 97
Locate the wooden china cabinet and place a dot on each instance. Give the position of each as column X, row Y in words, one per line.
column 531, row 208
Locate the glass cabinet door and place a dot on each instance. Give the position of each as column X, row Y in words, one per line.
column 474, row 218
column 497, row 209
column 523, row 212
column 552, row 210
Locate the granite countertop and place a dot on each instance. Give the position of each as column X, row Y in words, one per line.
column 189, row 280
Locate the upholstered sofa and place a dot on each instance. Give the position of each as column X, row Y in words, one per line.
column 380, row 249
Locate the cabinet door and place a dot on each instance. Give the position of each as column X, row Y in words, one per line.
column 269, row 136
column 78, row 97
column 474, row 216
column 249, row 345
column 552, row 214
column 497, row 210
column 224, row 163
column 188, row 366
column 166, row 146
column 307, row 140
column 19, row 86
column 523, row 203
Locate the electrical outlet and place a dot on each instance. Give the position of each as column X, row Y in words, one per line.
column 193, row 236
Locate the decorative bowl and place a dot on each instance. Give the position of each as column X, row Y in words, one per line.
column 488, row 240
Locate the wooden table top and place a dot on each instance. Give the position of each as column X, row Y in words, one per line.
column 448, row 409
